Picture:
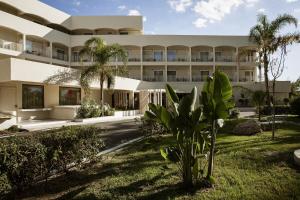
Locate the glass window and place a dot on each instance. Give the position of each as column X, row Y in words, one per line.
column 204, row 56
column 69, row 96
column 32, row 96
column 158, row 55
column 171, row 55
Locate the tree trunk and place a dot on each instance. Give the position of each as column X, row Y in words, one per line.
column 187, row 167
column 101, row 88
column 273, row 111
column 212, row 150
column 266, row 70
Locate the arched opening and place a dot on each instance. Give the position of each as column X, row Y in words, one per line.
column 10, row 39
column 37, row 46
column 153, row 53
column 60, row 52
column 82, row 32
column 106, row 31
column 178, row 53
column 225, row 54
column 129, row 31
column 133, row 53
column 59, row 28
column 202, row 54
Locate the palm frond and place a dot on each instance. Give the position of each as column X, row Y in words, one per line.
column 281, row 21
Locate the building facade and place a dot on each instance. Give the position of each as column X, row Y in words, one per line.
column 38, row 41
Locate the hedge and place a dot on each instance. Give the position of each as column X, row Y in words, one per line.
column 27, row 159
column 279, row 110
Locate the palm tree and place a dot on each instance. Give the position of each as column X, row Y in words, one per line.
column 266, row 34
column 100, row 70
column 258, row 98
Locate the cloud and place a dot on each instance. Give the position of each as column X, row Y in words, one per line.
column 180, row 5
column 134, row 13
column 200, row 23
column 291, row 1
column 261, row 10
column 216, row 10
column 76, row 3
column 297, row 10
column 122, row 7
column 144, row 19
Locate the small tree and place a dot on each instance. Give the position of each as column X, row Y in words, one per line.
column 277, row 66
column 183, row 120
column 258, row 98
column 217, row 100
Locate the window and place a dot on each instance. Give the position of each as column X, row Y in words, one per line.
column 158, row 55
column 171, row 75
column 158, row 75
column 69, row 96
column 171, row 55
column 204, row 56
column 204, row 75
column 32, row 96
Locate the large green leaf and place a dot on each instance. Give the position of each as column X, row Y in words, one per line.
column 171, row 94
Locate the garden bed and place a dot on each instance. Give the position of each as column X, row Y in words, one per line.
column 247, row 167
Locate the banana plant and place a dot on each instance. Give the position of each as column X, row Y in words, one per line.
column 183, row 120
column 216, row 97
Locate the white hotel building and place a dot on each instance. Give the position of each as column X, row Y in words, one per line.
column 37, row 41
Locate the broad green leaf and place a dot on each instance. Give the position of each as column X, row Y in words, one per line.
column 171, row 94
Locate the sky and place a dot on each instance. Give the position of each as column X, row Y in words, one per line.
column 195, row 17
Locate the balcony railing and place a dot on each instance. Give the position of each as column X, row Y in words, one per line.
column 10, row 45
column 248, row 59
column 154, row 78
column 177, row 79
column 247, row 79
column 184, row 58
column 150, row 58
column 225, row 58
column 199, row 78
column 60, row 57
column 39, row 52
column 202, row 59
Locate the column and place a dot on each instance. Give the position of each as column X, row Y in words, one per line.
column 51, row 52
column 166, row 64
column 161, row 96
column 70, row 56
column 24, row 43
column 237, row 66
column 190, row 60
column 214, row 59
column 142, row 68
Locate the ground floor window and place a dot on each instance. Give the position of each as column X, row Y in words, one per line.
column 69, row 96
column 32, row 96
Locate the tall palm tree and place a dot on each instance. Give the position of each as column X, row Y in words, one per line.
column 100, row 70
column 266, row 34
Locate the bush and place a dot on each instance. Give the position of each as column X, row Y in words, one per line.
column 151, row 127
column 295, row 106
column 90, row 109
column 27, row 159
column 234, row 113
column 279, row 110
column 22, row 160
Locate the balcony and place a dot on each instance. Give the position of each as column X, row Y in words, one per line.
column 4, row 44
column 225, row 58
column 202, row 54
column 154, row 78
column 60, row 52
column 199, row 78
column 38, row 47
column 178, row 54
column 153, row 54
column 225, row 54
column 39, row 52
column 177, row 79
column 133, row 53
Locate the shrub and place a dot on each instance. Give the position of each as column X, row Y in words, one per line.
column 27, row 159
column 279, row 110
column 90, row 109
column 22, row 160
column 234, row 113
column 152, row 127
column 295, row 106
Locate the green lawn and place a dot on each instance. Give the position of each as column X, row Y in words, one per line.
column 246, row 168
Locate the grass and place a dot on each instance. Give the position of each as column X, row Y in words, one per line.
column 253, row 167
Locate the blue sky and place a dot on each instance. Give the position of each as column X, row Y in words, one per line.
column 194, row 17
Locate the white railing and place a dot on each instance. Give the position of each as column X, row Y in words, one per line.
column 178, row 58
column 62, row 57
column 4, row 44
column 153, row 78
column 197, row 57
column 177, row 79
column 230, row 58
column 39, row 52
column 151, row 58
